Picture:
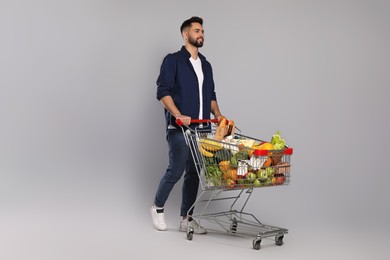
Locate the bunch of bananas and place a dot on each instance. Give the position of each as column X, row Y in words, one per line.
column 208, row 147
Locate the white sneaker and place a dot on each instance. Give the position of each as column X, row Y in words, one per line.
column 158, row 218
column 198, row 229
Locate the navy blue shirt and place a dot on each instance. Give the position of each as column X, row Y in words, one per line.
column 178, row 79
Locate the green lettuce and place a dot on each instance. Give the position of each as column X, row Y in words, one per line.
column 277, row 141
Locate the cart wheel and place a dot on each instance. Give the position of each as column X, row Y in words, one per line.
column 233, row 226
column 190, row 233
column 279, row 240
column 256, row 243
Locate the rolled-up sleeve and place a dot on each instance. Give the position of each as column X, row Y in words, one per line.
column 166, row 79
column 214, row 96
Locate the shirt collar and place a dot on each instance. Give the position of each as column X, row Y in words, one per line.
column 187, row 54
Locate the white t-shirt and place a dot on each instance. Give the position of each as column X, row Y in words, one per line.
column 197, row 64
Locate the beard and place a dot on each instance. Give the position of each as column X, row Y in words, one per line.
column 196, row 42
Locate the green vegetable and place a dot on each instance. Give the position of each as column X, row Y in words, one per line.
column 277, row 141
column 209, row 161
column 233, row 161
column 241, row 155
column 213, row 174
column 223, row 155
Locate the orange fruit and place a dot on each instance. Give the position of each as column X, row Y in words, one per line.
column 224, row 166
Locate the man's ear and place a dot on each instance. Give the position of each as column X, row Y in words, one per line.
column 185, row 35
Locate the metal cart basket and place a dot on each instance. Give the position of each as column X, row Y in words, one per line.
column 230, row 170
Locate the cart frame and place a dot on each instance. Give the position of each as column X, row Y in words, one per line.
column 234, row 221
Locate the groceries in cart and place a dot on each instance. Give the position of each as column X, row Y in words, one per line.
column 236, row 161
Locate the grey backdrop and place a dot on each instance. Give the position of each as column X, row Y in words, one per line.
column 82, row 143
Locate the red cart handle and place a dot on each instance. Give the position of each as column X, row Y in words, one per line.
column 180, row 123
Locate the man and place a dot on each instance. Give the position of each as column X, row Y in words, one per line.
column 185, row 87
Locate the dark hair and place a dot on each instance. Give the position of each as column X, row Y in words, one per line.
column 187, row 23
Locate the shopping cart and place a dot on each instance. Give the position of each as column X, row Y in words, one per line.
column 230, row 170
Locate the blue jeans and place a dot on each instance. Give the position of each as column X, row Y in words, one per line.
column 180, row 161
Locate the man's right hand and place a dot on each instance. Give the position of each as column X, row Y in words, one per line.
column 219, row 118
column 185, row 119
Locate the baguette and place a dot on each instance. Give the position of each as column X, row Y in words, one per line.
column 221, row 130
column 230, row 130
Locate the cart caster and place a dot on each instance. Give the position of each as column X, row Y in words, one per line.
column 190, row 233
column 233, row 226
column 279, row 240
column 256, row 243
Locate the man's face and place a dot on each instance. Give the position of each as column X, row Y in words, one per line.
column 195, row 35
